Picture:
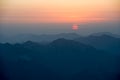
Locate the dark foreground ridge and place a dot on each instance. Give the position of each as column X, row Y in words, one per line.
column 61, row 59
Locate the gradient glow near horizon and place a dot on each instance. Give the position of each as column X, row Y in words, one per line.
column 59, row 11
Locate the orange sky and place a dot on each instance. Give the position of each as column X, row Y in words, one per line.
column 60, row 11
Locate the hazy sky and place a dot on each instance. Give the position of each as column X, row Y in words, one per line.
column 60, row 11
column 56, row 16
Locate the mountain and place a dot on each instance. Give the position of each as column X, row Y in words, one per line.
column 103, row 42
column 61, row 59
column 105, row 33
column 39, row 38
column 45, row 38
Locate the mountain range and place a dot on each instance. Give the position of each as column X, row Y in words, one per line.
column 61, row 59
column 103, row 42
column 46, row 38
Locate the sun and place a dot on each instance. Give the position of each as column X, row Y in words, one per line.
column 75, row 27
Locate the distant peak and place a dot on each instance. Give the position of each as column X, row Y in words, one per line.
column 27, row 42
column 30, row 42
column 60, row 39
column 105, row 34
column 68, row 34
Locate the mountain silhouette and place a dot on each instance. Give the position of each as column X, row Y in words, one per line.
column 105, row 33
column 61, row 59
column 103, row 42
column 44, row 38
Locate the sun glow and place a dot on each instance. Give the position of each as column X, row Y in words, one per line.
column 75, row 27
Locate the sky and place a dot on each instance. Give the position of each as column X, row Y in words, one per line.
column 52, row 16
column 59, row 11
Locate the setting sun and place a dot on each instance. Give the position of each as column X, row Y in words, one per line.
column 75, row 27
